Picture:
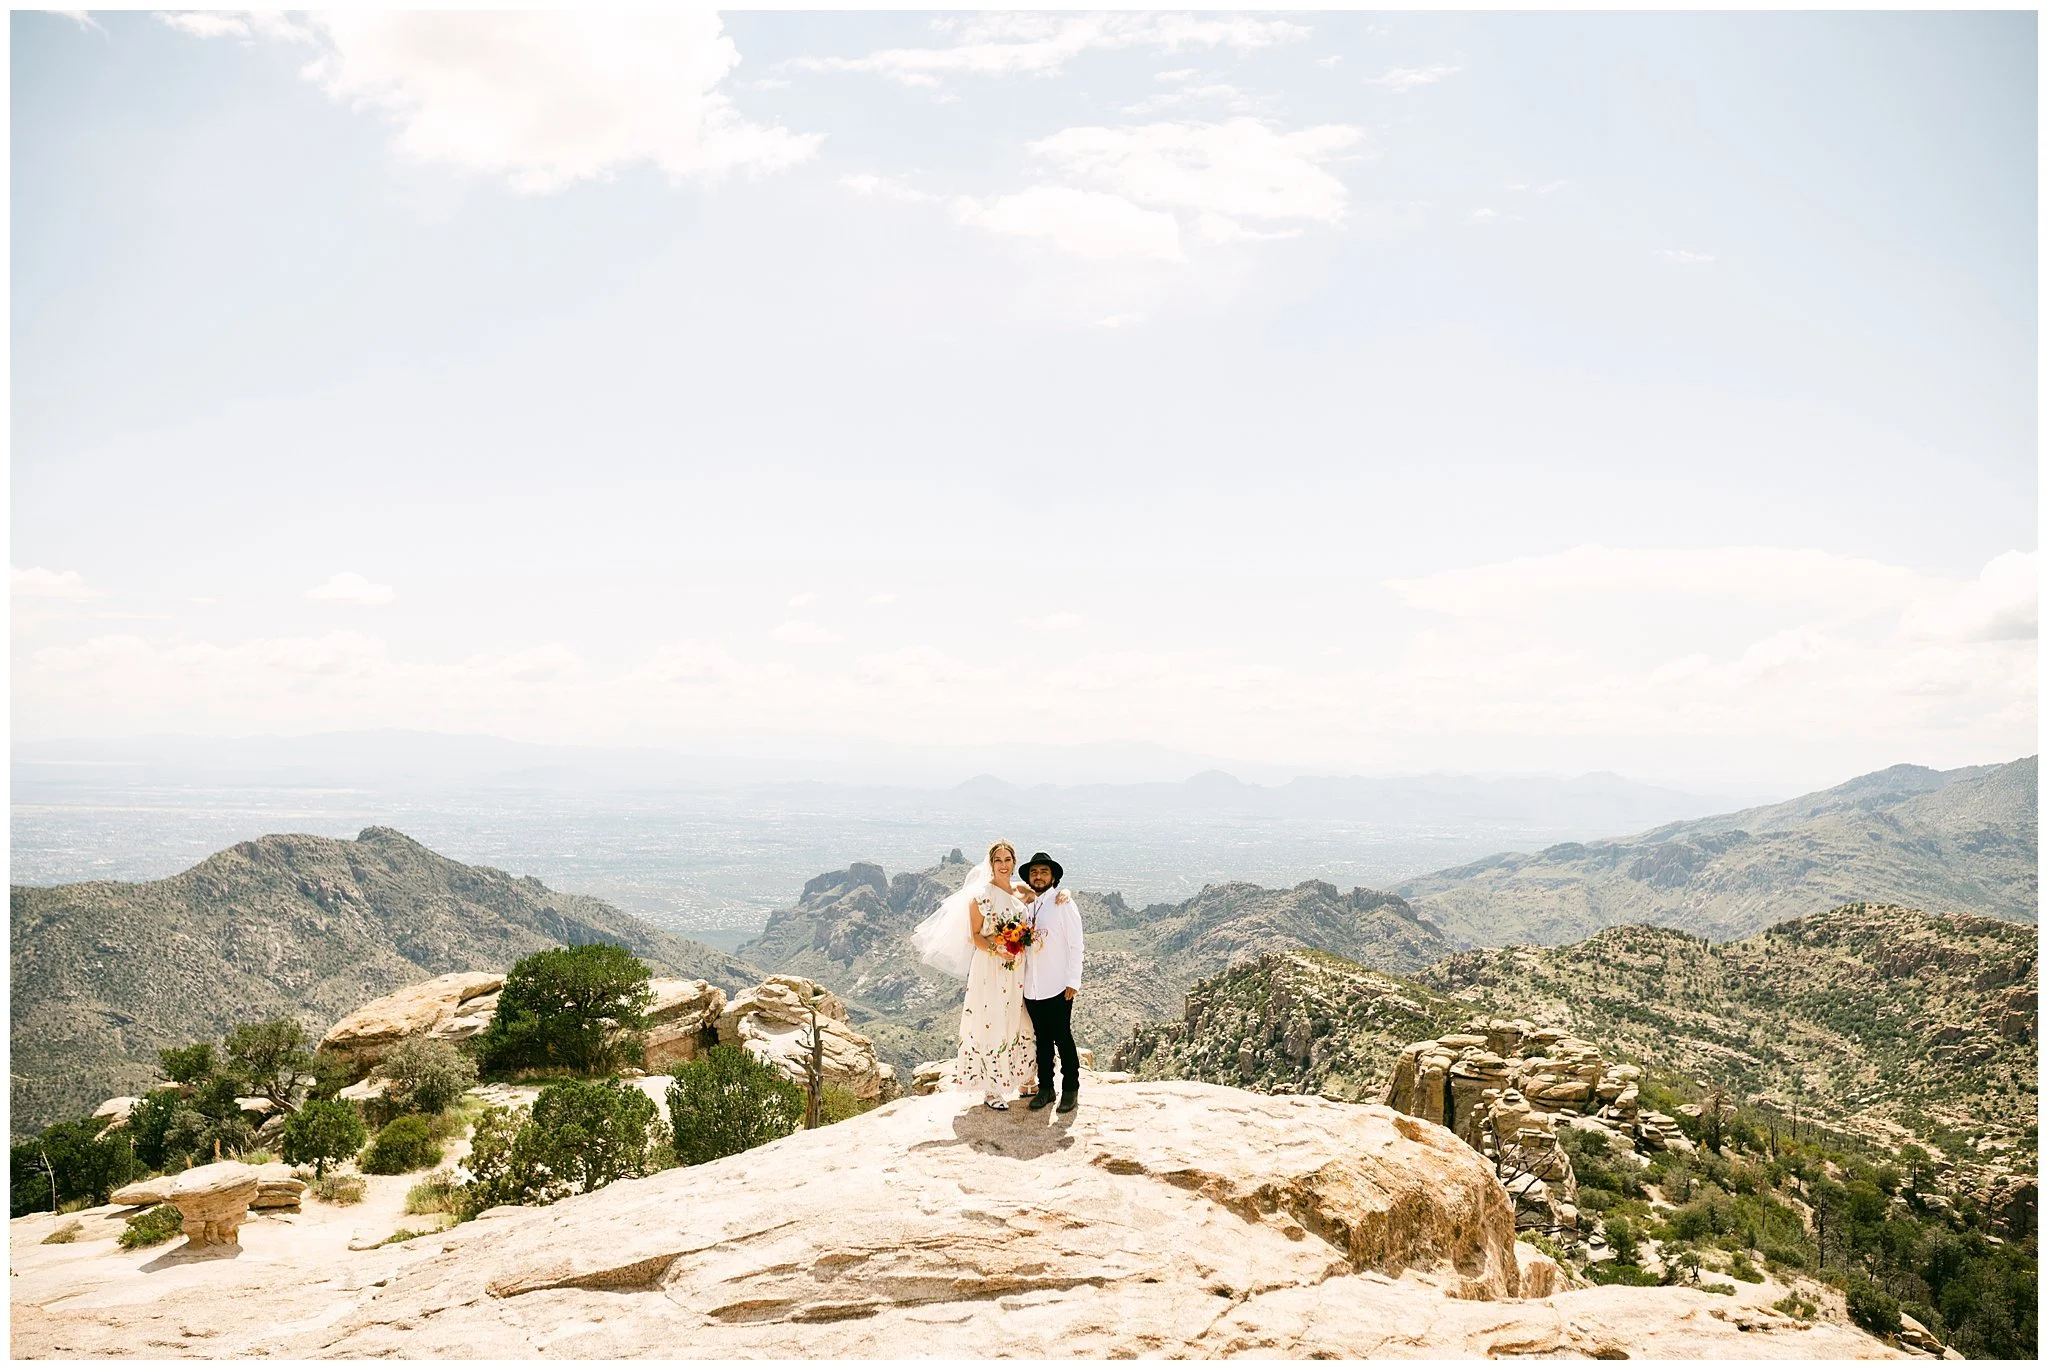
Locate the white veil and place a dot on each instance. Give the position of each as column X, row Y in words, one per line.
column 942, row 940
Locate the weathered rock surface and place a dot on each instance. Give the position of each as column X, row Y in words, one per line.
column 682, row 1021
column 452, row 1007
column 770, row 1021
column 1162, row 1219
column 214, row 1200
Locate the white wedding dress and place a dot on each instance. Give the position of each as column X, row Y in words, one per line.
column 998, row 1053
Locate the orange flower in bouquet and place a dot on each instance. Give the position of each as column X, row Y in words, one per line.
column 1010, row 941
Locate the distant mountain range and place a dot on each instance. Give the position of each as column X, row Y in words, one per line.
column 409, row 761
column 104, row 974
column 1964, row 840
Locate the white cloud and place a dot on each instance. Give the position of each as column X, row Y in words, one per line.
column 804, row 631
column 1086, row 223
column 1673, row 254
column 1220, row 92
column 207, row 23
column 543, row 99
column 1669, row 576
column 82, row 18
column 1329, row 63
column 37, row 582
column 346, row 587
column 1051, row 623
column 552, row 661
column 1401, row 80
column 1180, row 74
column 2001, row 605
column 798, row 601
column 873, row 187
column 1117, row 321
column 1042, row 44
column 1239, row 169
column 688, row 663
column 881, row 599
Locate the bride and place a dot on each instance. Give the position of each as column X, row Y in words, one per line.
column 998, row 1054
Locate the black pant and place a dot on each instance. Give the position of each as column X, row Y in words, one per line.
column 1052, row 1020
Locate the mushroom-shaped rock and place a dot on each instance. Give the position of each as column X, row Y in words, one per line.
column 214, row 1200
column 144, row 1193
column 441, row 1007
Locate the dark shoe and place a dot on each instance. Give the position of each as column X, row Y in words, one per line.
column 1070, row 1101
column 1040, row 1100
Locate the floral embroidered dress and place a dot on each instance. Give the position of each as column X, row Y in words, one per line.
column 998, row 1054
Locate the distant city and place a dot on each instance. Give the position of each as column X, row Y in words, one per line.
column 712, row 860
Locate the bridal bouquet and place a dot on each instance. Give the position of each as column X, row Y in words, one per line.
column 1011, row 939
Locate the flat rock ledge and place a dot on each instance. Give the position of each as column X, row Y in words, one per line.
column 1163, row 1219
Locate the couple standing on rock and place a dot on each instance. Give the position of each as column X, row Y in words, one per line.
column 1020, row 1004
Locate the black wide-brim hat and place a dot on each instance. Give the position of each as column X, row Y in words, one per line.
column 1039, row 858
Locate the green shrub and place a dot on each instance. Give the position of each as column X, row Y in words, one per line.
column 186, row 1065
column 580, row 1135
column 405, row 1234
column 1785, row 1255
column 1717, row 1287
column 270, row 1060
column 1742, row 1268
column 1593, row 1199
column 1796, row 1305
column 69, row 1162
column 324, row 1130
column 64, row 1235
column 726, row 1102
column 435, row 1194
column 1873, row 1310
column 427, row 1075
column 402, row 1144
column 151, row 1226
column 841, row 1103
column 1613, row 1272
column 576, row 1008
column 1621, row 1236
column 339, row 1189
column 149, row 1122
column 334, row 1071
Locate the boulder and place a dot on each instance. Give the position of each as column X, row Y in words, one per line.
column 278, row 1193
column 1540, row 1276
column 682, row 1021
column 214, row 1200
column 1914, row 1333
column 771, row 1022
column 448, row 1006
column 116, row 1110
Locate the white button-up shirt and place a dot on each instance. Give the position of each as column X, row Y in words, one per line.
column 1053, row 965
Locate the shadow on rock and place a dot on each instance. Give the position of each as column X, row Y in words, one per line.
column 188, row 1254
column 1018, row 1133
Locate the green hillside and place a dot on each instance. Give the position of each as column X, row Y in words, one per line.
column 104, row 973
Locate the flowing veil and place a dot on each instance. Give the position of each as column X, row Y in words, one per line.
column 942, row 940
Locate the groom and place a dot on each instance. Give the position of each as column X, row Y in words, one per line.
column 1052, row 974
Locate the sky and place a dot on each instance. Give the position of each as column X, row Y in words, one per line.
column 1525, row 393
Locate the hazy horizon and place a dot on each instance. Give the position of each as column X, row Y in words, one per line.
column 1519, row 394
